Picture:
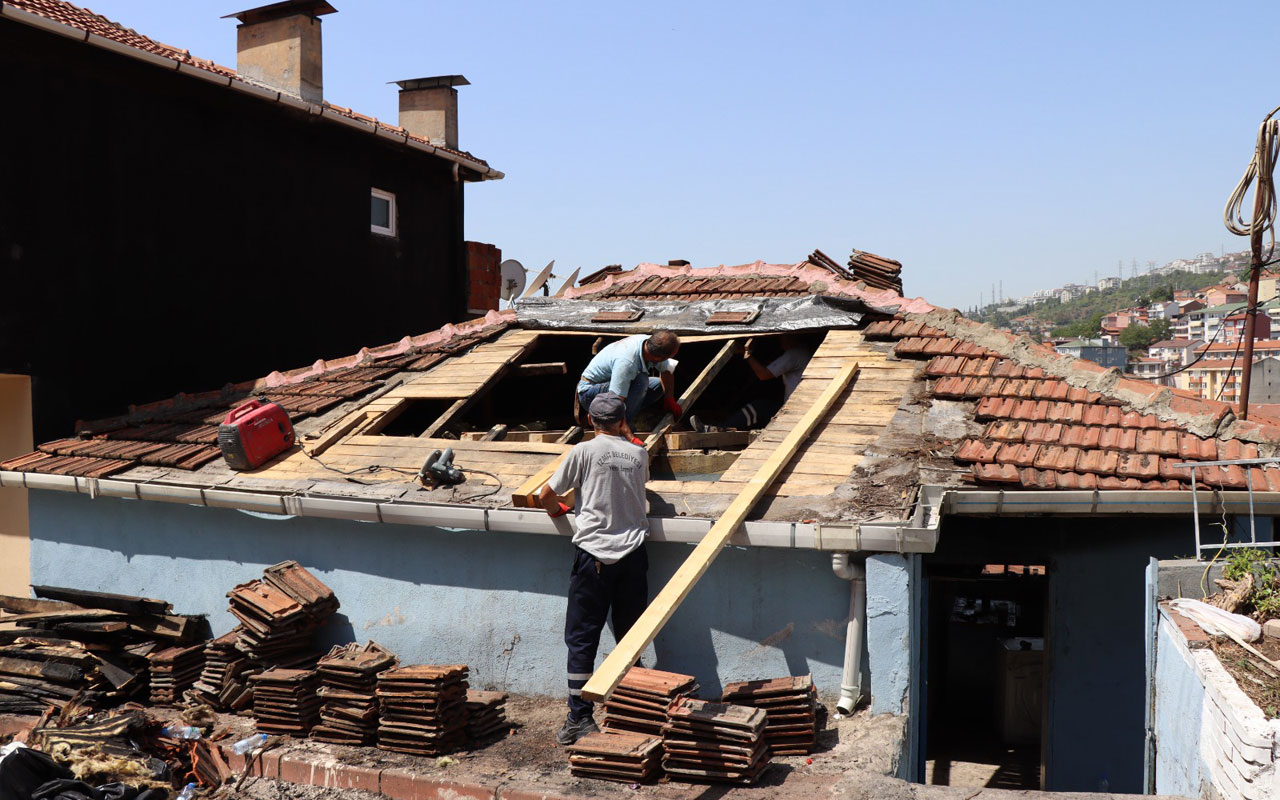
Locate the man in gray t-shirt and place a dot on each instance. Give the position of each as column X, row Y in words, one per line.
column 610, row 565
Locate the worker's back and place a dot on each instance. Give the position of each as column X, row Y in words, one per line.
column 609, row 474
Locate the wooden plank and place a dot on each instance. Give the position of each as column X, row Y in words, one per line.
column 124, row 603
column 27, row 605
column 526, row 496
column 444, row 419
column 616, row 664
column 458, row 445
column 549, row 368
column 691, row 394
column 692, row 440
column 460, row 407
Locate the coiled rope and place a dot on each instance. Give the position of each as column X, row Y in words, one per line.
column 1260, row 168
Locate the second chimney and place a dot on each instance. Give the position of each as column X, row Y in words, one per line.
column 279, row 45
column 429, row 108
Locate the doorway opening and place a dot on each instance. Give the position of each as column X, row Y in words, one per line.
column 986, row 672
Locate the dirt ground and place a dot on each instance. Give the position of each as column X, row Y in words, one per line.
column 528, row 758
column 1261, row 682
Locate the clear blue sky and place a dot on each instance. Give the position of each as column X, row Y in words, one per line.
column 974, row 142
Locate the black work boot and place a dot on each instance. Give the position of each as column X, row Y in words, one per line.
column 575, row 729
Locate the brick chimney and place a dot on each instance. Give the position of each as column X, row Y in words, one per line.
column 429, row 108
column 279, row 45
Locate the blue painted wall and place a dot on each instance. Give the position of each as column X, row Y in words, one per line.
column 889, row 631
column 493, row 601
column 1179, row 707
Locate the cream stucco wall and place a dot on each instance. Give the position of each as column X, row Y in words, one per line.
column 15, row 439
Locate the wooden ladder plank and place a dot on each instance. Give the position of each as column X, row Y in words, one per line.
column 606, row 678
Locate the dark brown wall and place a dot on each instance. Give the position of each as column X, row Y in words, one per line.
column 161, row 234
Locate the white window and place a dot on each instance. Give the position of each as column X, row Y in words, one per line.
column 382, row 212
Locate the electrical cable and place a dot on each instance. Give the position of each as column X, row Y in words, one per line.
column 1186, row 366
column 1265, row 154
column 379, row 467
column 1232, row 366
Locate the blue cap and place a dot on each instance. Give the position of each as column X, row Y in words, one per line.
column 607, row 407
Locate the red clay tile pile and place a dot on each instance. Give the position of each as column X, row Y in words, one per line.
column 224, row 683
column 616, row 756
column 285, row 701
column 349, row 674
column 89, row 645
column 486, row 715
column 790, row 705
column 280, row 613
column 640, row 702
column 716, row 742
column 173, row 671
column 876, row 271
column 422, row 709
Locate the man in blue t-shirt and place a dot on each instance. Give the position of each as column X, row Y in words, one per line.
column 623, row 369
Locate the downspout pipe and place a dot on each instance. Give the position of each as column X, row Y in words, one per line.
column 855, row 572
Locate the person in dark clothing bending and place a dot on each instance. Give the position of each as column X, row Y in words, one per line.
column 610, row 564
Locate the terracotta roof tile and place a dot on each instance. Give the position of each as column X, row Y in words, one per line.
column 944, row 366
column 996, row 473
column 940, row 346
column 911, row 346
column 1056, row 457
column 1100, row 462
column 882, row 329
column 1118, row 439
column 1038, row 479
column 952, row 387
column 1081, row 436
column 1111, row 482
column 1022, row 455
column 977, row 450
column 1164, row 443
column 1006, row 431
column 1138, row 465
column 1044, row 432
column 995, row 407
column 1195, row 448
column 1076, row 480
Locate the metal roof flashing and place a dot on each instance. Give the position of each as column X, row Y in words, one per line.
column 896, row 537
column 690, row 317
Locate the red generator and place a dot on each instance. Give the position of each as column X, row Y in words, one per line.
column 253, row 433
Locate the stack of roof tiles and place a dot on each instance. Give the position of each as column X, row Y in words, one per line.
column 422, row 709
column 224, row 683
column 714, row 741
column 1044, row 431
column 285, row 700
column 486, row 715
column 182, row 432
column 350, row 677
column 876, row 271
column 616, row 756
column 173, row 671
column 280, row 613
column 639, row 703
column 790, row 705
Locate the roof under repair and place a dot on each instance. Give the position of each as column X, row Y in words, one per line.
column 938, row 400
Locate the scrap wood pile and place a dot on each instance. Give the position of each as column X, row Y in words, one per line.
column 639, row 703
column 790, row 705
column 616, row 756
column 714, row 742
column 422, row 709
column 486, row 715
column 86, row 645
column 349, row 674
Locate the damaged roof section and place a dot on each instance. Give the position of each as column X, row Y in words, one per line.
column 938, row 399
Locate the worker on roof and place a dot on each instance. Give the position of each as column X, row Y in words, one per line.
column 768, row 398
column 610, row 565
column 622, row 368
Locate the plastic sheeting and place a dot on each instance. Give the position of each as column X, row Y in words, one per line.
column 777, row 314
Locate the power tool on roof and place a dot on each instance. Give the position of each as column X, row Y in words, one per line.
column 438, row 469
column 253, row 433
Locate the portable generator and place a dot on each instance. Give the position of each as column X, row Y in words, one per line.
column 254, row 432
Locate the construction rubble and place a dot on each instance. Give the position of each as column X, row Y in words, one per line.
column 126, row 697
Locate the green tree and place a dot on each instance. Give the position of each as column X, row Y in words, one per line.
column 1161, row 329
column 1137, row 337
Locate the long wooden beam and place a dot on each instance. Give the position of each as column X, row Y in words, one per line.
column 606, row 678
column 691, row 394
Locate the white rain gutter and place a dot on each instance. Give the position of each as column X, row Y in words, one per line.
column 880, row 537
column 324, row 112
column 855, row 572
column 1022, row 502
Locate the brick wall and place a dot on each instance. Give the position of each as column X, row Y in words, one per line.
column 1211, row 740
column 483, row 277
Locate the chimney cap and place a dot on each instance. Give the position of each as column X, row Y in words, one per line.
column 286, row 8
column 431, row 83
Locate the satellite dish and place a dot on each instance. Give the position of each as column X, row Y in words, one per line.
column 513, row 278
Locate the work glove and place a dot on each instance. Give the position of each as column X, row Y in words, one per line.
column 636, row 441
column 670, row 404
column 561, row 511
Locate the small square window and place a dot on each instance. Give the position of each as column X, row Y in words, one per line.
column 382, row 212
